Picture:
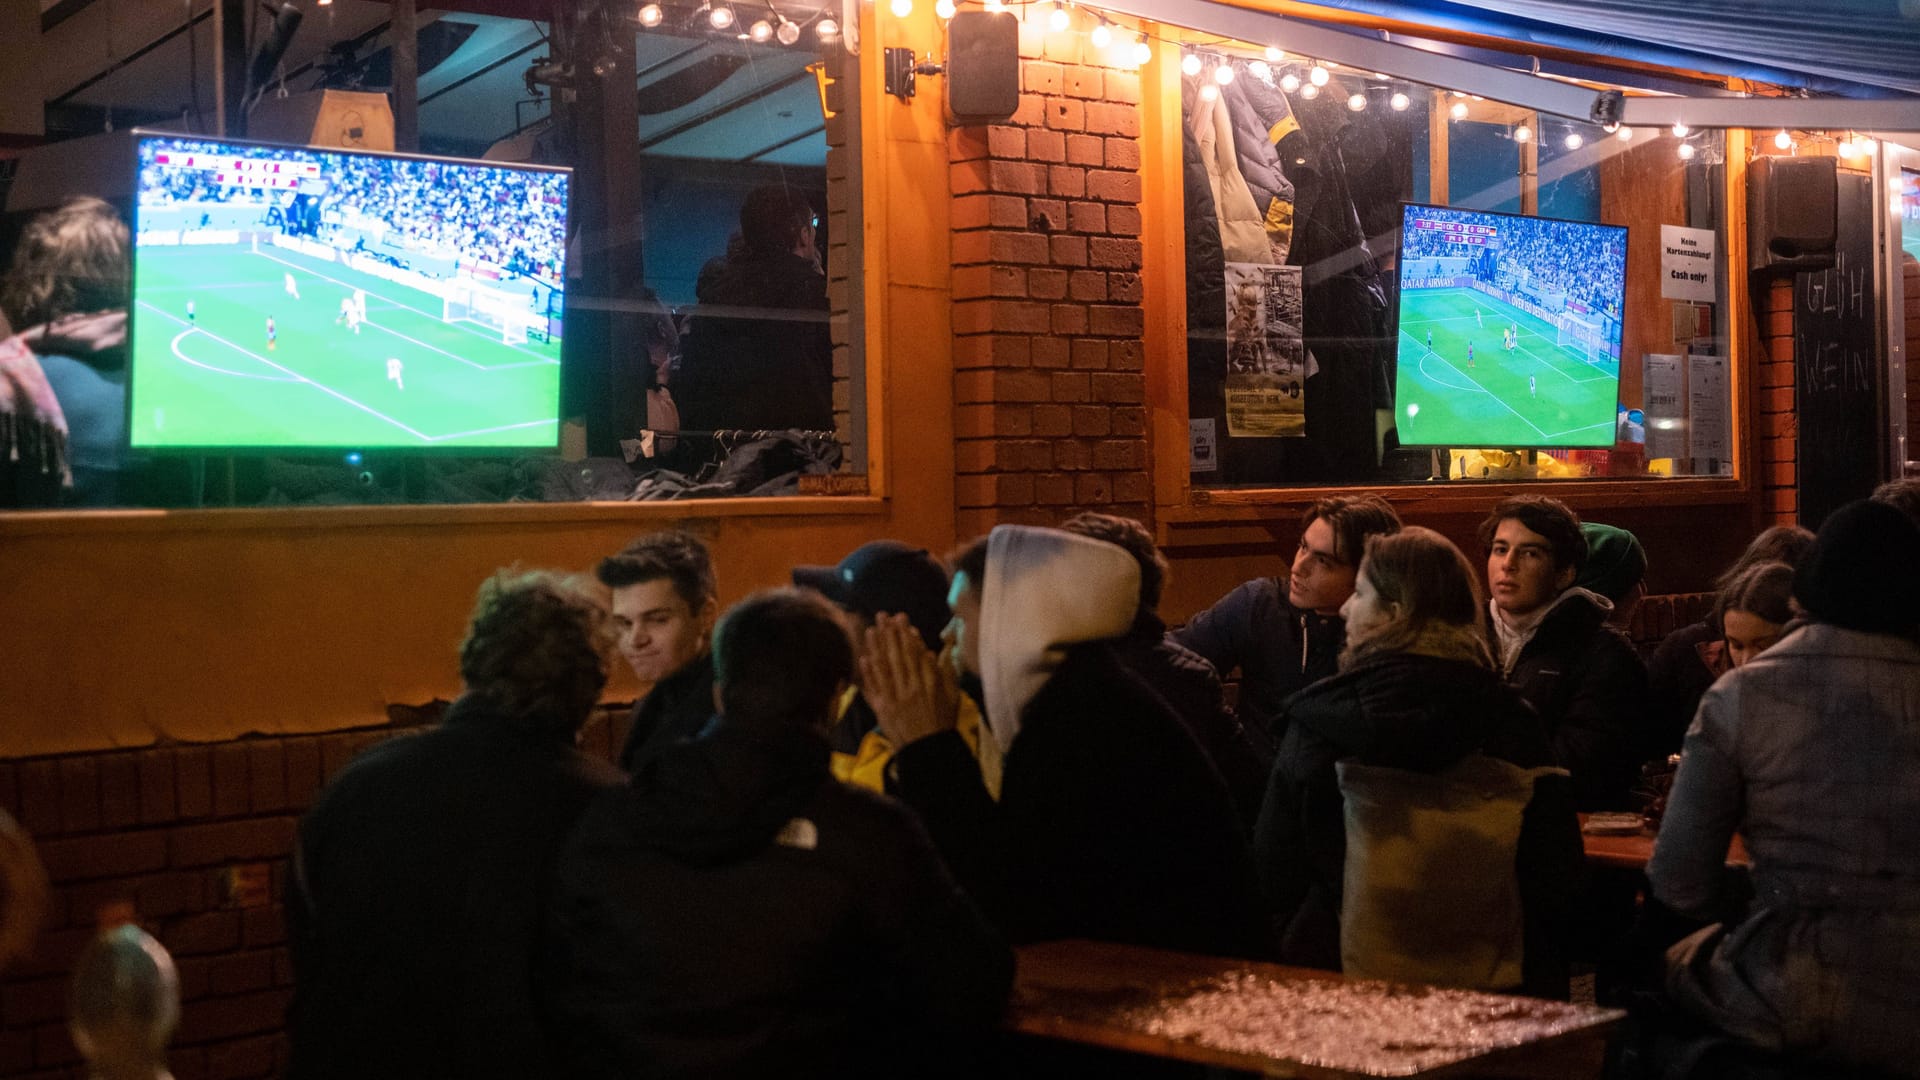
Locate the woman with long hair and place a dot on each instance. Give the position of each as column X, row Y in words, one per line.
column 1417, row 691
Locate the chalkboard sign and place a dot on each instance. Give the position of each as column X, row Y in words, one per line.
column 1837, row 374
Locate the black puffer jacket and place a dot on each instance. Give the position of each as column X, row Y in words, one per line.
column 1277, row 648
column 747, row 365
column 738, row 913
column 677, row 708
column 1421, row 714
column 1590, row 689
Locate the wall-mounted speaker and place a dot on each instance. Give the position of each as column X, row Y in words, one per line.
column 1792, row 213
column 983, row 66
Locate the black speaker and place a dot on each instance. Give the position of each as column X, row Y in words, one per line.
column 983, row 66
column 1792, row 213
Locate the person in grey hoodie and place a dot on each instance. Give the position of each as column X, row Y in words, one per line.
column 1555, row 648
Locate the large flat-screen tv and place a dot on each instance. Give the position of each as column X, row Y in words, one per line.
column 1509, row 329
column 287, row 298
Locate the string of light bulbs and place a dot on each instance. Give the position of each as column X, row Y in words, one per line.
column 773, row 26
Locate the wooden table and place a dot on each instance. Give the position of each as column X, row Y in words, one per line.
column 1634, row 852
column 1292, row 1022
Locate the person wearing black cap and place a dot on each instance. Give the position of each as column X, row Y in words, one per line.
column 885, row 576
column 1811, row 752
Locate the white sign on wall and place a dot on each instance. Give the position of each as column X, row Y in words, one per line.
column 1686, row 264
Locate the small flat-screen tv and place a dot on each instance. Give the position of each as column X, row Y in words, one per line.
column 293, row 299
column 1509, row 330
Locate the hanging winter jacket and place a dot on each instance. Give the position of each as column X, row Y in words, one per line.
column 1261, row 120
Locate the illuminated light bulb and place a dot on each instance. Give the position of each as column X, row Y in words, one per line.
column 1686, row 151
column 1357, row 102
column 1867, row 146
column 945, row 8
column 1259, row 70
column 901, row 8
column 1459, row 110
column 1522, row 133
column 789, row 31
column 1459, row 93
column 996, row 6
column 762, row 30
column 827, row 29
column 1574, row 140
column 1275, row 54
column 1399, row 101
column 720, row 17
column 1223, row 74
column 1625, row 134
column 1783, row 140
column 1058, row 20
column 1610, row 128
column 1289, row 82
column 1101, row 36
column 1309, row 91
column 1190, row 64
column 1208, row 91
column 1318, row 76
column 324, row 3
column 650, row 15
column 1680, row 131
column 1142, row 52
column 1849, row 149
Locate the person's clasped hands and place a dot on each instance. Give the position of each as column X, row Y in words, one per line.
column 912, row 692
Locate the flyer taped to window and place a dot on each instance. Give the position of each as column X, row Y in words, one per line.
column 1266, row 352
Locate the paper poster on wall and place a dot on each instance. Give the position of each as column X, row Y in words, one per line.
column 1686, row 264
column 1203, row 454
column 1266, row 352
column 1663, row 380
column 1709, row 434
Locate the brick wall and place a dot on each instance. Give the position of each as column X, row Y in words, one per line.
column 840, row 231
column 1048, row 385
column 193, row 839
column 1778, row 423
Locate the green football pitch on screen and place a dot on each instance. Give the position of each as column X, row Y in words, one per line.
column 205, row 374
column 1536, row 394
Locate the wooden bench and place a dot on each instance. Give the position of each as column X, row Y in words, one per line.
column 1291, row 1022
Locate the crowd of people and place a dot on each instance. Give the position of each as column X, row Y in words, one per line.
column 840, row 803
column 1589, row 265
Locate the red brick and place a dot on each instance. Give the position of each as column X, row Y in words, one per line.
column 1772, row 375
column 1111, row 320
column 1012, row 247
column 1087, row 217
column 1053, row 489
column 1041, row 78
column 1088, row 285
column 1067, row 250
column 106, row 855
column 119, row 790
column 1124, row 287
column 87, row 901
column 1064, row 47
column 1069, row 319
column 1089, row 354
column 967, row 143
column 1780, row 350
column 1093, row 489
column 1776, row 400
column 1132, row 488
column 1052, row 421
column 1033, row 39
column 1119, row 389
column 1016, row 177
column 193, row 781
column 980, row 282
column 1106, row 118
column 282, row 967
column 969, row 212
column 198, row 935
column 968, row 177
column 1129, row 421
column 1123, row 220
column 998, row 489
column 53, row 1046
column 975, row 456
column 156, row 787
column 1123, row 87
column 1780, row 425
column 267, row 773
column 1778, row 324
column 1118, row 454
column 226, row 1017
column 1047, row 146
column 1071, row 455
column 1017, row 386
column 1066, row 181
column 242, row 1059
column 1050, row 353
column 1083, row 82
column 240, row 973
column 1067, row 114
column 971, row 316
column 163, row 896
column 1127, row 356
column 990, row 350
column 1085, row 150
column 1123, row 153
column 970, row 421
column 263, row 926
column 1006, row 141
column 1047, row 284
column 231, row 794
column 1092, row 421
column 1069, row 387
column 1047, row 215
column 1110, row 185
column 79, row 794
column 1780, row 474
column 40, row 802
column 1109, row 253
column 16, row 1051
column 302, row 757
column 1032, row 111
column 230, row 841
column 27, row 1003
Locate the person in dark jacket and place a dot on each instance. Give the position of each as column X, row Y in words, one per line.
column 1111, row 823
column 1183, row 678
column 664, row 603
column 1555, row 647
column 1690, row 659
column 759, row 355
column 1283, row 635
column 1417, row 691
column 736, row 912
column 420, row 881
